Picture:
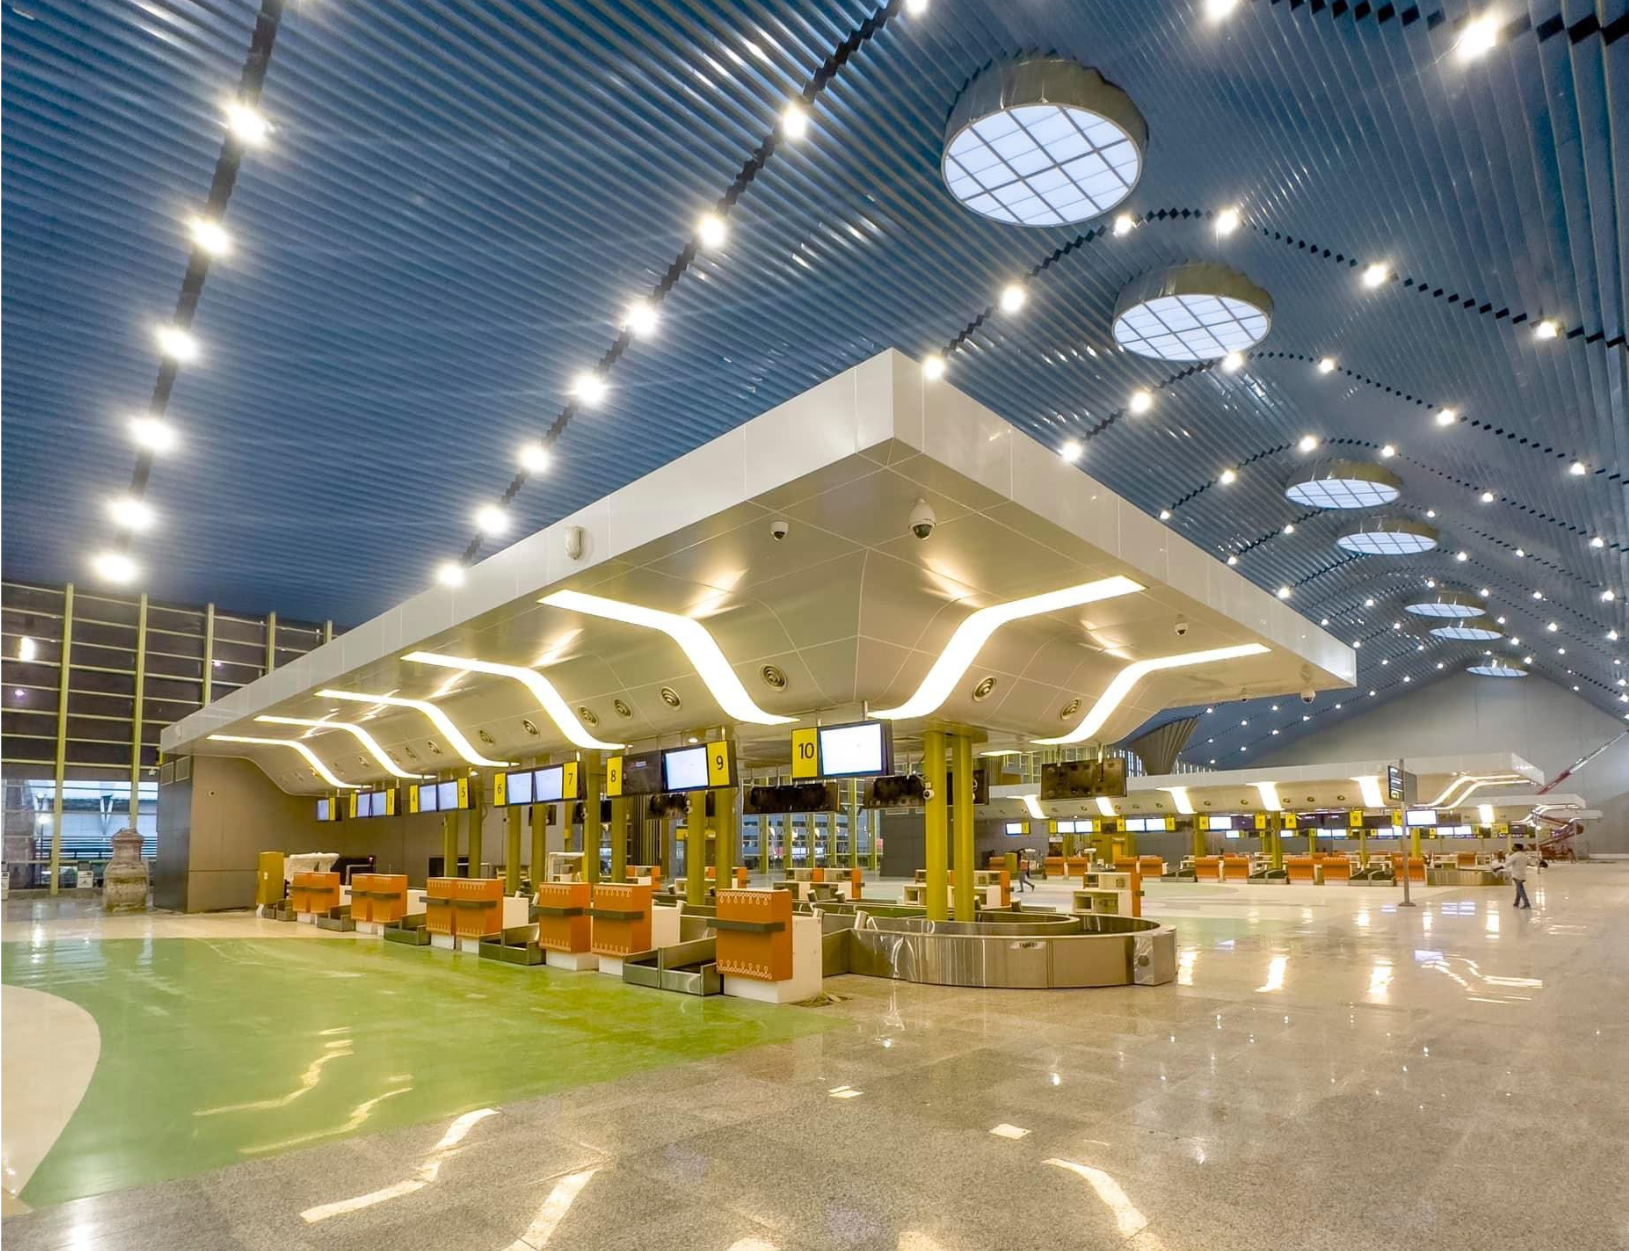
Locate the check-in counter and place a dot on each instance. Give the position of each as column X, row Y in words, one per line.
column 740, row 876
column 563, row 925
column 992, row 888
column 1207, row 868
column 1334, row 866
column 1060, row 866
column 1147, row 866
column 378, row 900
column 764, row 951
column 646, row 875
column 1235, row 868
column 438, row 908
column 1416, row 867
column 1300, row 870
column 313, row 894
column 627, row 922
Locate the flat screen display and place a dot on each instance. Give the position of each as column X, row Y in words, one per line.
column 1219, row 823
column 685, row 770
column 322, row 810
column 1015, row 827
column 447, row 796
column 548, row 785
column 848, row 751
column 1066, row 827
column 1421, row 816
column 427, row 797
column 518, row 787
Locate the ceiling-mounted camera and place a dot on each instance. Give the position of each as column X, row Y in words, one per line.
column 923, row 519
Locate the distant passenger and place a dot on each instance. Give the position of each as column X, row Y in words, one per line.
column 1516, row 865
column 1023, row 871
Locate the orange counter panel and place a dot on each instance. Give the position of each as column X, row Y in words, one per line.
column 621, row 919
column 565, row 925
column 438, row 909
column 762, row 951
column 314, row 892
column 1337, row 869
column 477, row 906
column 1299, row 868
column 362, row 896
column 1235, row 868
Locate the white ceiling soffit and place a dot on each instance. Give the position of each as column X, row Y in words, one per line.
column 848, row 609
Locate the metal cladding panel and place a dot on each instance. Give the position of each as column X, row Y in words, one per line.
column 458, row 203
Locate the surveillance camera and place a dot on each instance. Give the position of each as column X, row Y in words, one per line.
column 927, row 793
column 778, row 528
column 1308, row 695
column 1181, row 628
column 922, row 519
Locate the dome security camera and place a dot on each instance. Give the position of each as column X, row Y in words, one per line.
column 1181, row 628
column 1308, row 695
column 778, row 528
column 923, row 519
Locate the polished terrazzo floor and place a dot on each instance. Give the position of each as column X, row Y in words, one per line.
column 1328, row 1071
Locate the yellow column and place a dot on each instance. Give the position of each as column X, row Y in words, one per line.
column 725, row 836
column 935, row 822
column 592, row 778
column 540, row 844
column 961, row 748
column 511, row 850
column 1199, row 847
column 619, row 839
column 473, row 818
column 1312, row 839
column 1276, row 824
column 854, row 825
column 695, row 850
column 449, row 844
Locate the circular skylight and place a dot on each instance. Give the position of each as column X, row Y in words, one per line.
column 1344, row 484
column 1449, row 605
column 1196, row 312
column 1468, row 633
column 1043, row 142
column 1388, row 536
column 1497, row 669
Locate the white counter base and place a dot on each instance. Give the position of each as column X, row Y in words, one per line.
column 806, row 978
column 577, row 961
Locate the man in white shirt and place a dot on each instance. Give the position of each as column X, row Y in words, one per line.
column 1516, row 867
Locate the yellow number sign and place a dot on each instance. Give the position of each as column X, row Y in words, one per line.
column 568, row 780
column 613, row 777
column 500, row 789
column 718, row 763
column 805, row 754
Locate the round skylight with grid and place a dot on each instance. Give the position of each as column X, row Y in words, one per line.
column 1344, row 484
column 1496, row 669
column 1468, row 633
column 1043, row 142
column 1196, row 312
column 1448, row 605
column 1388, row 536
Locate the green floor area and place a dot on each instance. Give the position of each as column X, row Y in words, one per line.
column 214, row 1052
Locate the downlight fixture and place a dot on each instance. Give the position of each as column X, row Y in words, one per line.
column 1195, row 312
column 1388, row 536
column 1344, row 484
column 1445, row 605
column 1043, row 141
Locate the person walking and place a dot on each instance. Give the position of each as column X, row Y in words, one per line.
column 1516, row 866
column 1024, row 881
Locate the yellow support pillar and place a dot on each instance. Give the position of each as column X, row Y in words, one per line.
column 619, row 839
column 593, row 778
column 540, row 844
column 695, row 850
column 1276, row 824
column 473, row 819
column 511, row 851
column 62, row 732
column 1199, row 845
column 1312, row 839
column 961, row 748
column 449, row 844
column 854, row 825
column 725, row 837
column 935, row 826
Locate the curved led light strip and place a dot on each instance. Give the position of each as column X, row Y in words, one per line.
column 1033, row 808
column 1179, row 794
column 439, row 719
column 1369, row 786
column 971, row 635
column 355, row 731
column 1133, row 673
column 711, row 666
column 1484, row 813
column 1476, row 782
column 1269, row 796
column 540, row 687
column 1105, row 807
column 311, row 756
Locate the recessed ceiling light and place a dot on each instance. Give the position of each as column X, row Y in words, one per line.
column 1323, row 621
column 114, row 567
column 129, row 513
column 176, row 343
column 1141, row 401
column 1375, row 275
column 1284, row 592
column 1233, row 362
column 1232, row 560
column 1229, row 476
column 533, row 457
column 1216, row 10
column 795, row 121
column 1477, row 38
column 1012, row 298
column 1431, row 512
column 1462, row 556
column 1613, row 636
column 933, row 367
column 152, row 434
column 1387, row 452
column 1484, row 592
column 1447, row 416
column 641, row 319
column 1042, row 141
column 589, row 388
column 1488, row 497
column 1357, row 642
column 491, row 519
column 1308, row 443
column 1577, row 469
column 1072, row 450
column 1227, row 221
column 1326, row 365
column 247, row 123
column 1289, row 528
column 1546, row 329
column 1552, row 627
column 1608, row 596
column 916, row 8
column 1520, row 553
column 450, row 573
column 1165, row 514
column 711, row 230
column 1124, row 225
column 1369, row 602
column 1597, row 541
column 1538, row 594
column 209, row 235
column 1199, row 311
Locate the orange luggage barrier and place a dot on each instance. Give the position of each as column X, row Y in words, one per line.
column 477, row 906
column 621, row 916
column 438, row 908
column 315, row 892
column 562, row 922
column 755, row 934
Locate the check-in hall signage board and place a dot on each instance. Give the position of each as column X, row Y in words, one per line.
column 674, row 770
column 860, row 749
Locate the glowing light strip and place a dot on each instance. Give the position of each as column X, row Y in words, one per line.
column 311, row 756
column 1476, row 781
column 1484, row 813
column 1269, row 796
column 1184, row 805
column 971, row 635
column 1105, row 807
column 541, row 688
column 1373, row 797
column 711, row 666
column 357, row 732
column 1103, row 709
column 1481, row 782
column 1032, row 807
column 439, row 719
